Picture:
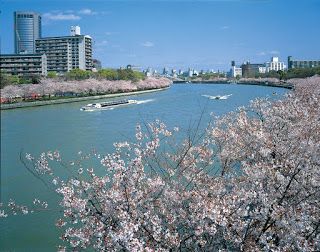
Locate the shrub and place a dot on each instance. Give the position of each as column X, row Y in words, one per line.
column 52, row 74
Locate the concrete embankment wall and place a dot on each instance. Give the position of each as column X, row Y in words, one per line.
column 75, row 99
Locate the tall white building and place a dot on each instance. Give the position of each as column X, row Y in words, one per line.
column 75, row 31
column 192, row 72
column 235, row 71
column 262, row 69
column 275, row 65
column 67, row 52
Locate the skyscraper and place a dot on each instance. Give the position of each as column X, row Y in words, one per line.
column 27, row 28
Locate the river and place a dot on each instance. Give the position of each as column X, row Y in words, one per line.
column 65, row 128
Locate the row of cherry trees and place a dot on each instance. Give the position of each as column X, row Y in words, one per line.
column 89, row 86
column 249, row 182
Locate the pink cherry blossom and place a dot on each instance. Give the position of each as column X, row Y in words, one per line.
column 249, row 182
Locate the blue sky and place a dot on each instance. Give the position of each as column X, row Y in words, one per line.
column 202, row 34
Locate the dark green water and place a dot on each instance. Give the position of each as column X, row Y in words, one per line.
column 67, row 129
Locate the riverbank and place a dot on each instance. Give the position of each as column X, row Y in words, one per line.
column 271, row 82
column 268, row 84
column 74, row 99
column 56, row 91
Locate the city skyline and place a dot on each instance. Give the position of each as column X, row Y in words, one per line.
column 179, row 34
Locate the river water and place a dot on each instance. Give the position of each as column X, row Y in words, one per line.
column 67, row 129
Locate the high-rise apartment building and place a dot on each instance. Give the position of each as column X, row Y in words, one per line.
column 24, row 64
column 67, row 52
column 302, row 63
column 27, row 28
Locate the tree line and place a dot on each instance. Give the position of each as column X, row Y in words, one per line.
column 75, row 74
column 107, row 74
column 290, row 73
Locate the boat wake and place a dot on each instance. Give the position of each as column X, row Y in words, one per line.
column 112, row 105
column 217, row 97
column 95, row 110
column 145, row 101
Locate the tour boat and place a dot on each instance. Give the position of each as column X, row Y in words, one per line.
column 217, row 97
column 110, row 104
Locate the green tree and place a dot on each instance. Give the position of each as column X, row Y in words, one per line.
column 52, row 74
column 108, row 74
column 14, row 79
column 35, row 79
column 282, row 75
column 7, row 79
column 78, row 74
column 302, row 72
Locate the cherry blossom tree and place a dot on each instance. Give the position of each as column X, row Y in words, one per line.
column 248, row 182
column 94, row 86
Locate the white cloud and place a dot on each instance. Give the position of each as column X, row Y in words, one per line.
column 60, row 16
column 87, row 12
column 262, row 53
column 274, row 52
column 57, row 15
column 102, row 43
column 147, row 44
column 225, row 27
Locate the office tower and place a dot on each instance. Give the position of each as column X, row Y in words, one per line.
column 27, row 28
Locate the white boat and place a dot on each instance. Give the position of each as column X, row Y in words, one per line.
column 217, row 97
column 107, row 105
